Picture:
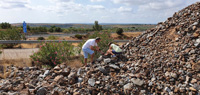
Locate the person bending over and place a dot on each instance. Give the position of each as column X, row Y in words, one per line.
column 89, row 47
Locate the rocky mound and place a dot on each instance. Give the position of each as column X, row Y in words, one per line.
column 168, row 56
column 163, row 60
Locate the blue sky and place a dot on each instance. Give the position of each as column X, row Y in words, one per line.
column 88, row 11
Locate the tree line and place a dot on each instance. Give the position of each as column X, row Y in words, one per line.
column 40, row 29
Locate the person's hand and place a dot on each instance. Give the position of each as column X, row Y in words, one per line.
column 102, row 53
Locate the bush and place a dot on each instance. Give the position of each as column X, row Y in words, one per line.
column 79, row 36
column 5, row 25
column 40, row 38
column 119, row 31
column 10, row 34
column 52, row 37
column 53, row 53
column 103, row 44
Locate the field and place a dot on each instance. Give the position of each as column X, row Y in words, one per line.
column 89, row 25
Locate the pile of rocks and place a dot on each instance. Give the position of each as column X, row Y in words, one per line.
column 168, row 56
column 163, row 60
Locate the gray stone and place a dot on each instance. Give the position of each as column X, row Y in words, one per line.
column 128, row 86
column 107, row 60
column 137, row 81
column 91, row 82
column 114, row 66
column 167, row 89
column 103, row 70
column 46, row 73
column 41, row 91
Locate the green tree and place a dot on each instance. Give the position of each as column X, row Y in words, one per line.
column 58, row 29
column 53, row 26
column 105, row 39
column 119, row 31
column 10, row 34
column 28, row 28
column 51, row 29
column 5, row 25
column 97, row 27
column 42, row 29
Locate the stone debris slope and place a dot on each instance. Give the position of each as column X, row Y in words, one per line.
column 163, row 60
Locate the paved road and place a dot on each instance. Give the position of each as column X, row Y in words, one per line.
column 47, row 35
column 17, row 53
column 65, row 34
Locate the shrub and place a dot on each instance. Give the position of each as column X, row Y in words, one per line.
column 53, row 53
column 52, row 37
column 10, row 34
column 5, row 25
column 40, row 38
column 79, row 36
column 119, row 31
column 103, row 44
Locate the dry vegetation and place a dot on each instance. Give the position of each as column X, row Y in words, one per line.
column 23, row 62
column 128, row 34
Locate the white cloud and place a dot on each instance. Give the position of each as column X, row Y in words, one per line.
column 11, row 4
column 97, row 0
column 164, row 5
column 123, row 9
column 131, row 2
column 84, row 11
column 95, row 7
column 57, row 1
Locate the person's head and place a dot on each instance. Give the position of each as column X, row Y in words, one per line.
column 97, row 39
column 109, row 43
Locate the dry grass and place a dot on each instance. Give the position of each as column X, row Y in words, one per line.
column 128, row 34
column 22, row 62
column 25, row 62
column 75, row 63
column 34, row 45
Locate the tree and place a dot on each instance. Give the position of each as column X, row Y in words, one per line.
column 28, row 28
column 5, row 25
column 97, row 27
column 51, row 29
column 58, row 29
column 119, row 31
column 10, row 34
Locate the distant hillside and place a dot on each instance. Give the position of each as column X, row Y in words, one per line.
column 57, row 25
column 86, row 25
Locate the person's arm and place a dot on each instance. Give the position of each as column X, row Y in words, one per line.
column 110, row 47
column 92, row 48
column 95, row 48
